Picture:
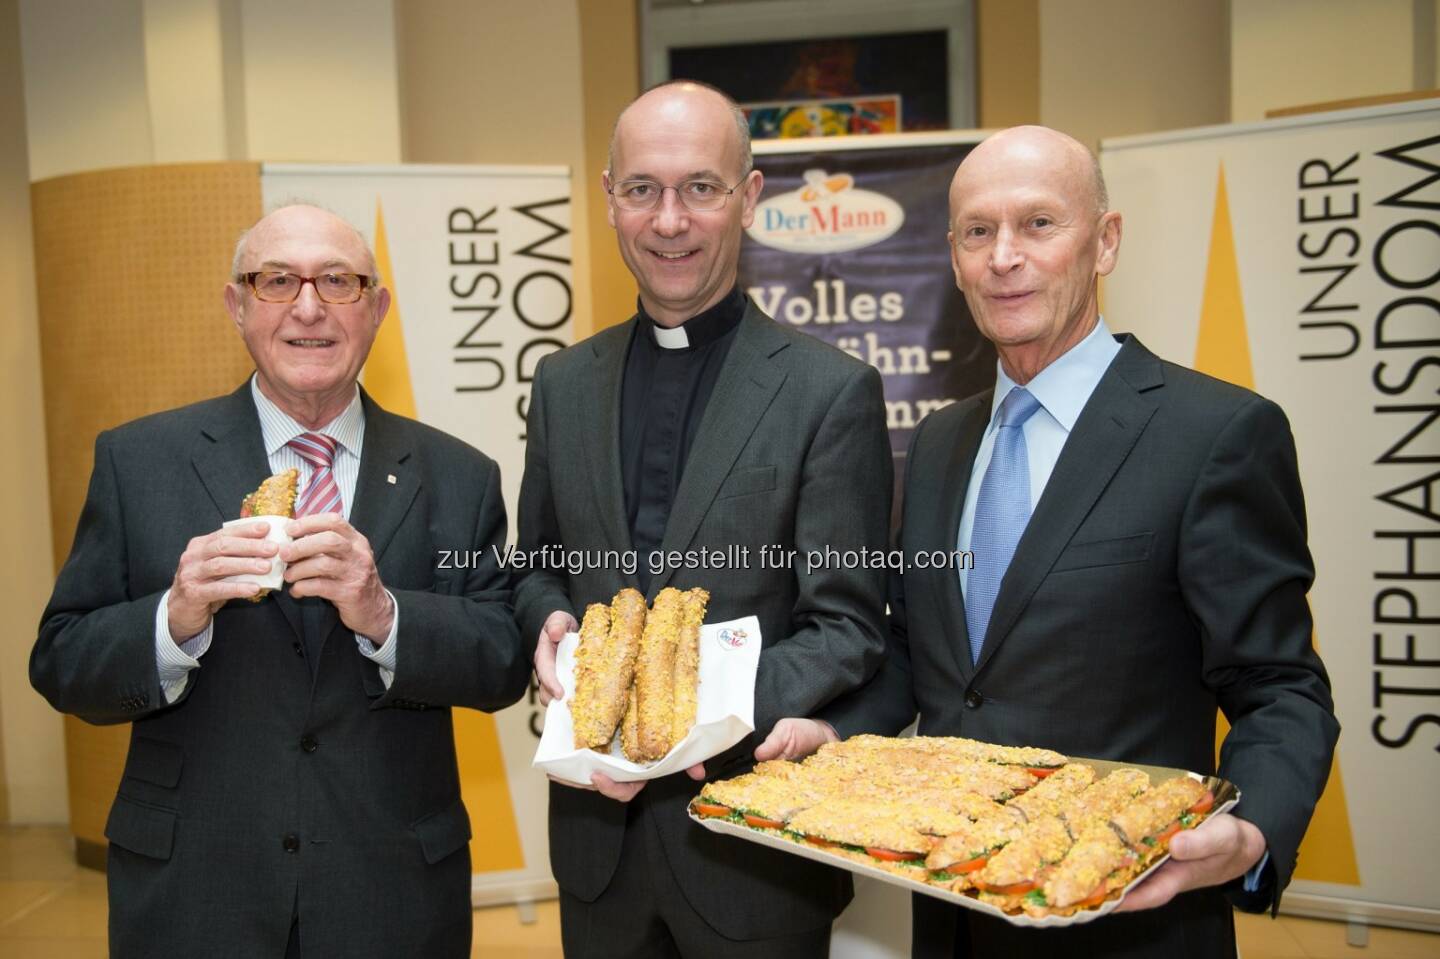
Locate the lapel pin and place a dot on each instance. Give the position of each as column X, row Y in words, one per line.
column 390, row 478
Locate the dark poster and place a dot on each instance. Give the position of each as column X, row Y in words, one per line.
column 848, row 244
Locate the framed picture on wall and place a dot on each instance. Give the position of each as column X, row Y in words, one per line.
column 813, row 68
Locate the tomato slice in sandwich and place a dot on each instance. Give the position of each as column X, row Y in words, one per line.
column 761, row 823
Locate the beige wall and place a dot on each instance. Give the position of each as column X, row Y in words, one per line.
column 472, row 76
column 1289, row 53
column 85, row 103
column 185, row 80
column 1116, row 67
column 1007, row 62
column 32, row 756
column 320, row 81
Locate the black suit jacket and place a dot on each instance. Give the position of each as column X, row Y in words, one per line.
column 267, row 788
column 791, row 452
column 1162, row 576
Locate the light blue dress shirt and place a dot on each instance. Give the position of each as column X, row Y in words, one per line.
column 1063, row 388
column 174, row 662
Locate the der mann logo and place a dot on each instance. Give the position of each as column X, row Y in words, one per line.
column 826, row 215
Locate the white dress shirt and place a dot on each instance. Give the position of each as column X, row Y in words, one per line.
column 175, row 661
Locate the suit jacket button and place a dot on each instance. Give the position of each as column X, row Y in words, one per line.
column 291, row 843
column 299, row 650
column 973, row 699
column 309, row 743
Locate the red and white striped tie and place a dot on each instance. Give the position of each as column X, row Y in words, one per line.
column 322, row 493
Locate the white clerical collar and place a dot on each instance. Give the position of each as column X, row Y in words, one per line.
column 668, row 338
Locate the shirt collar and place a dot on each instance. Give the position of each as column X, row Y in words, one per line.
column 278, row 428
column 701, row 329
column 1064, row 387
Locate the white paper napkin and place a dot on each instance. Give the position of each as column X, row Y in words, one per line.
column 277, row 535
column 725, row 713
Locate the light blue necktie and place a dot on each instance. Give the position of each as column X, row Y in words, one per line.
column 1001, row 511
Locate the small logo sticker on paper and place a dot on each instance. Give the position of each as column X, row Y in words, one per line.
column 733, row 638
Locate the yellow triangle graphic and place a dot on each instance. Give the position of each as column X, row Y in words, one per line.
column 1224, row 347
column 387, row 371
column 495, row 846
column 1327, row 853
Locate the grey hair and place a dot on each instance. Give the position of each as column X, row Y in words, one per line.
column 1102, row 195
column 243, row 239
column 742, row 125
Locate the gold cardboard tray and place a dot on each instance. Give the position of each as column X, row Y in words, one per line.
column 1226, row 796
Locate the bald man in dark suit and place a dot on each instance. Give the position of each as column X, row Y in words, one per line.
column 291, row 786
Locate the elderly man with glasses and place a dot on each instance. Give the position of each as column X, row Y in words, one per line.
column 700, row 424
column 291, row 785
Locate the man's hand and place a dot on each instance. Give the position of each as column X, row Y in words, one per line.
column 607, row 787
column 557, row 624
column 1216, row 851
column 199, row 589
column 330, row 558
column 795, row 739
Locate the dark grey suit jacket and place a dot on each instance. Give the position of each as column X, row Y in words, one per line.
column 792, row 452
column 1162, row 575
column 265, row 789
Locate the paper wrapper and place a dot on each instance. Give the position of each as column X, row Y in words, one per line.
column 277, row 535
column 1226, row 796
column 725, row 713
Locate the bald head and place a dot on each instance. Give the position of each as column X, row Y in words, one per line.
column 1042, row 152
column 677, row 100
column 293, row 217
column 1030, row 236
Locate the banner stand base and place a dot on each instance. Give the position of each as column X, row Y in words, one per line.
column 509, row 890
column 1359, row 912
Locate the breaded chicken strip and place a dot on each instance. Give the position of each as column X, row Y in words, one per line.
column 605, row 667
column 686, row 683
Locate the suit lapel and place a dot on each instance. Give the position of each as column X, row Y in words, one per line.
column 602, row 431
column 745, row 388
column 1111, row 422
column 388, row 481
column 232, row 464
column 954, row 486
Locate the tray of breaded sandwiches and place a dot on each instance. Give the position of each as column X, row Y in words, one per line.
column 1021, row 833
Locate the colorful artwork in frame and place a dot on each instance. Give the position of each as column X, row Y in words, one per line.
column 823, row 118
column 829, row 86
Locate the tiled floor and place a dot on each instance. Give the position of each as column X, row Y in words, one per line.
column 52, row 909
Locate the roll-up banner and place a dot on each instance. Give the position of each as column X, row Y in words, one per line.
column 1301, row 258
column 848, row 244
column 478, row 262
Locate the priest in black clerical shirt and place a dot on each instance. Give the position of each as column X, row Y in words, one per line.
column 701, row 424
column 669, row 375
